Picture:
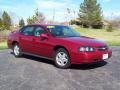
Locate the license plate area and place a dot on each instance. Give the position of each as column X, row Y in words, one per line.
column 105, row 56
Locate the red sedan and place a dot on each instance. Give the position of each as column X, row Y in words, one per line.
column 59, row 43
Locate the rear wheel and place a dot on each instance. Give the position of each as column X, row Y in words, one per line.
column 16, row 50
column 62, row 59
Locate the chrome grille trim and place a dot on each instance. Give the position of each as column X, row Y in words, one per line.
column 102, row 48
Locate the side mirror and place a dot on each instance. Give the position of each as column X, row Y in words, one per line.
column 44, row 36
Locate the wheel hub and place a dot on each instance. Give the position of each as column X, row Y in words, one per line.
column 62, row 58
column 16, row 50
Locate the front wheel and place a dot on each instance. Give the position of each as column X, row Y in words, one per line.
column 62, row 59
column 16, row 50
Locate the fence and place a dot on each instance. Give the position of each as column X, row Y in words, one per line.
column 4, row 35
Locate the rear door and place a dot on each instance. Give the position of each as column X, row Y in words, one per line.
column 26, row 39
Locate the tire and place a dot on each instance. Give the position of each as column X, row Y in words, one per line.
column 16, row 50
column 62, row 58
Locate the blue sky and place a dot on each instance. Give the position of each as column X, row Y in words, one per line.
column 26, row 8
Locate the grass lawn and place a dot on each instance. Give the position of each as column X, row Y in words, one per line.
column 3, row 45
column 112, row 38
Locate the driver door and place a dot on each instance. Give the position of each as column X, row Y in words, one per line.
column 42, row 47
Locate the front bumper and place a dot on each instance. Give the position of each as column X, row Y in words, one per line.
column 89, row 57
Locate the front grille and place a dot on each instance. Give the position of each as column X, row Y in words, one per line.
column 102, row 48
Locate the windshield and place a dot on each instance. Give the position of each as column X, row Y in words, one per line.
column 62, row 31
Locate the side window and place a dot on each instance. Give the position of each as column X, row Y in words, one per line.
column 66, row 31
column 38, row 31
column 28, row 31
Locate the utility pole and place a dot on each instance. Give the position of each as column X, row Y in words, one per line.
column 74, row 14
column 53, row 15
column 69, row 12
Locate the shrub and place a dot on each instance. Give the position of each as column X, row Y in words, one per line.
column 109, row 28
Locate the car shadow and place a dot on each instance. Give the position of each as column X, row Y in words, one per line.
column 38, row 59
column 74, row 67
column 89, row 66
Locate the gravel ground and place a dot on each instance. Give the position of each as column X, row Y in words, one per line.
column 31, row 73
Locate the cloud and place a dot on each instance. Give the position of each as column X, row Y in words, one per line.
column 17, row 10
column 60, row 7
column 20, row 9
column 54, row 4
column 47, row 7
column 111, row 14
column 50, row 4
column 106, row 0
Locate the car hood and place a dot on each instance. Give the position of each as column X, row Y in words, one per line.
column 85, row 41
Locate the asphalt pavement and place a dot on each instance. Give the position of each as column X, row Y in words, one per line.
column 32, row 73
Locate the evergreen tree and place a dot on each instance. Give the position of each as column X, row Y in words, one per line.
column 21, row 23
column 90, row 13
column 38, row 17
column 1, row 23
column 30, row 20
column 6, row 20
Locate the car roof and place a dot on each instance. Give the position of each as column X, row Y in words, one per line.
column 44, row 25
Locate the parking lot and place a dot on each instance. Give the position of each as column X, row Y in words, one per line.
column 32, row 73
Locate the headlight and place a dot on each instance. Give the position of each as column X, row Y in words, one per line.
column 86, row 49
